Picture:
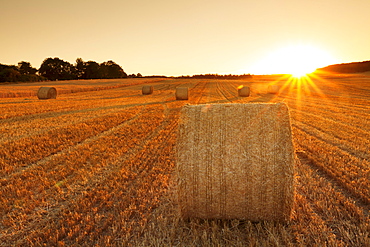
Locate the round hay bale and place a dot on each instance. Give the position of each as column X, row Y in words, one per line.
column 244, row 91
column 235, row 161
column 47, row 93
column 182, row 93
column 273, row 89
column 147, row 89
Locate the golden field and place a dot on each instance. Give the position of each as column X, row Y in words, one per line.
column 95, row 167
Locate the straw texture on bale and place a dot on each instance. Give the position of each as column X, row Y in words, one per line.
column 182, row 93
column 147, row 89
column 47, row 93
column 235, row 161
column 244, row 91
column 274, row 89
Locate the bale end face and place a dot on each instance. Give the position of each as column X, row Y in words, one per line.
column 235, row 161
column 147, row 90
column 244, row 91
column 47, row 93
column 182, row 93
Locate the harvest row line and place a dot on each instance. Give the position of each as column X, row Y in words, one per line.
column 118, row 175
column 349, row 171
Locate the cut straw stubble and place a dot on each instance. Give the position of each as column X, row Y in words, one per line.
column 273, row 89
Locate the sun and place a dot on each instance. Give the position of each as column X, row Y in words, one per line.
column 297, row 60
column 300, row 72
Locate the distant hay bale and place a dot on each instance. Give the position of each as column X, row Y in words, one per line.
column 47, row 93
column 235, row 161
column 244, row 91
column 273, row 89
column 147, row 89
column 182, row 93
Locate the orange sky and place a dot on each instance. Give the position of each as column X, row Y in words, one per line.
column 175, row 37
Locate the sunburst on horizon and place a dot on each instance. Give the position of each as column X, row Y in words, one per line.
column 296, row 60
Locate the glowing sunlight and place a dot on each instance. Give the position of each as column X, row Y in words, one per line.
column 297, row 60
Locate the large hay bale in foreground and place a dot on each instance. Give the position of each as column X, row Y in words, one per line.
column 235, row 161
column 244, row 91
column 147, row 89
column 273, row 89
column 47, row 93
column 182, row 93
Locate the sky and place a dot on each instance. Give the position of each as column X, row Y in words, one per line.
column 176, row 37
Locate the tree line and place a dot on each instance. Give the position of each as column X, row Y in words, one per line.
column 217, row 76
column 58, row 69
column 22, row 72
column 355, row 67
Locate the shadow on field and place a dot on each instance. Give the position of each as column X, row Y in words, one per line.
column 265, row 98
column 223, row 100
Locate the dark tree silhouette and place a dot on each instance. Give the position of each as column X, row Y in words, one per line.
column 21, row 73
column 217, row 76
column 92, row 70
column 80, row 68
column 111, row 70
column 355, row 67
column 57, row 69
column 9, row 73
column 25, row 68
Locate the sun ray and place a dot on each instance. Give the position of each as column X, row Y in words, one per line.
column 297, row 60
column 299, row 89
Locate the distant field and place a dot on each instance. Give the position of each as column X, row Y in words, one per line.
column 67, row 87
column 95, row 167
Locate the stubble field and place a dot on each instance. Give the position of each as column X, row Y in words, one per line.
column 95, row 167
